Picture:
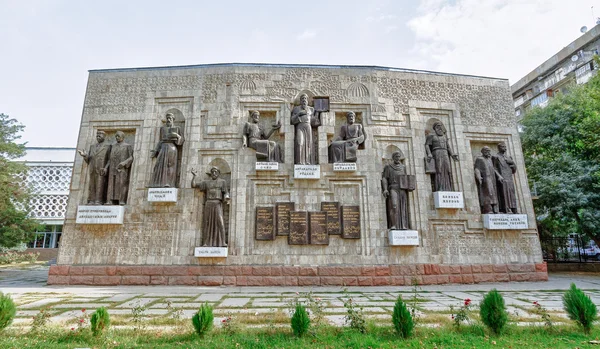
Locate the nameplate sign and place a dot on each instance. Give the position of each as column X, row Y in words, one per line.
column 318, row 228
column 344, row 167
column 264, row 223
column 162, row 194
column 210, row 252
column 282, row 217
column 403, row 237
column 448, row 199
column 351, row 222
column 267, row 166
column 334, row 226
column 307, row 171
column 100, row 214
column 298, row 228
column 505, row 221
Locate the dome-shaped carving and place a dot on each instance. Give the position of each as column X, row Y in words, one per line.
column 358, row 89
column 379, row 109
column 248, row 86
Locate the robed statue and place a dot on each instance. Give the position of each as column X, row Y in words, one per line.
column 396, row 184
column 304, row 118
column 438, row 158
column 216, row 191
column 166, row 153
column 345, row 146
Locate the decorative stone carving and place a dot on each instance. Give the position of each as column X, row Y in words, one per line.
column 396, row 184
column 486, row 177
column 305, row 118
column 437, row 163
column 119, row 166
column 506, row 167
column 256, row 138
column 97, row 160
column 215, row 188
column 344, row 148
column 166, row 153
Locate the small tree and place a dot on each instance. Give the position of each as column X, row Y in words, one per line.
column 493, row 312
column 403, row 322
column 300, row 320
column 100, row 321
column 580, row 308
column 203, row 319
column 15, row 225
column 7, row 311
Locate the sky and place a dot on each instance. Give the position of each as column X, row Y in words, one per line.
column 48, row 46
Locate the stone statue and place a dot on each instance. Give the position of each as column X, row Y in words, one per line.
column 343, row 148
column 486, row 177
column 304, row 118
column 256, row 138
column 505, row 166
column 439, row 152
column 213, row 227
column 119, row 165
column 166, row 153
column 97, row 160
column 396, row 184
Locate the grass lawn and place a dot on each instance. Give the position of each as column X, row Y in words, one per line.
column 328, row 337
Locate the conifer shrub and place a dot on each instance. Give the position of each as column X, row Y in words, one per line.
column 300, row 321
column 493, row 312
column 203, row 319
column 580, row 308
column 100, row 321
column 403, row 322
column 8, row 310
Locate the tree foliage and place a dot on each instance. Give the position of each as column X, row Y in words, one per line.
column 15, row 225
column 561, row 143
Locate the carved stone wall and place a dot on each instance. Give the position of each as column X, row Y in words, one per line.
column 395, row 108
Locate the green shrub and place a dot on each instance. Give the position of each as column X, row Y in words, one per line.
column 493, row 312
column 100, row 321
column 580, row 308
column 7, row 310
column 203, row 319
column 300, row 320
column 403, row 322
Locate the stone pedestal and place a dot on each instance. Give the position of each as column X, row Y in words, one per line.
column 403, row 237
column 505, row 221
column 100, row 214
column 307, row 171
column 448, row 199
column 344, row 167
column 210, row 252
column 266, row 166
column 162, row 194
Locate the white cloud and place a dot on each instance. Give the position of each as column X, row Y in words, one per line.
column 307, row 34
column 501, row 38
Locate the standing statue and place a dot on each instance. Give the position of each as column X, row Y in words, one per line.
column 305, row 118
column 437, row 147
column 97, row 160
column 396, row 184
column 486, row 177
column 166, row 154
column 119, row 164
column 213, row 227
column 343, row 148
column 256, row 138
column 505, row 166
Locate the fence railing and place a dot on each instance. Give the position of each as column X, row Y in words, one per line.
column 565, row 250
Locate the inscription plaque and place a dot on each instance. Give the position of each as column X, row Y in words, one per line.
column 264, row 224
column 344, row 167
column 448, row 199
column 403, row 237
column 108, row 214
column 505, row 221
column 210, row 252
column 298, row 228
column 162, row 194
column 333, row 217
column 266, row 166
column 307, row 171
column 351, row 222
column 282, row 217
column 318, row 228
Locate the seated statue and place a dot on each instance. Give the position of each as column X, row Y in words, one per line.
column 256, row 138
column 343, row 148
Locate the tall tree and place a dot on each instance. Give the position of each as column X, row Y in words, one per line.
column 15, row 224
column 561, row 143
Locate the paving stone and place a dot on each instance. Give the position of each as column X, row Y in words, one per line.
column 137, row 301
column 41, row 303
column 211, row 297
column 336, row 320
column 234, row 302
column 223, row 311
column 270, row 304
column 120, row 297
column 80, row 305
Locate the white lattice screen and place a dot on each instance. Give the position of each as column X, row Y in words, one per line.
column 51, row 186
column 49, row 206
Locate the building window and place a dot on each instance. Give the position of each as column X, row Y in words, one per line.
column 540, row 100
column 48, row 237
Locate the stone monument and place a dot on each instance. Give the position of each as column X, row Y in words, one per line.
column 282, row 203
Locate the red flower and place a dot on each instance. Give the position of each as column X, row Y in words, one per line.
column 467, row 302
column 452, row 317
column 81, row 320
column 83, row 310
column 535, row 303
column 224, row 320
column 72, row 328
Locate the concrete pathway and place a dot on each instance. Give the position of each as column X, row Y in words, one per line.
column 170, row 306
